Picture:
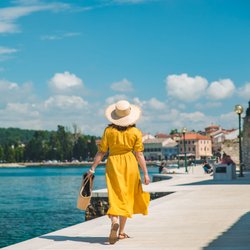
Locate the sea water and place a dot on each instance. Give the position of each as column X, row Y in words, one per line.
column 39, row 200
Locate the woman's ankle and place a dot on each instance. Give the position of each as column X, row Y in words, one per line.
column 114, row 220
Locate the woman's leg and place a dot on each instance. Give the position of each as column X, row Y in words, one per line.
column 114, row 228
column 114, row 219
column 123, row 220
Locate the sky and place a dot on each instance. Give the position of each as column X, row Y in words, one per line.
column 184, row 62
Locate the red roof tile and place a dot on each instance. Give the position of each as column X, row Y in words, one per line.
column 192, row 136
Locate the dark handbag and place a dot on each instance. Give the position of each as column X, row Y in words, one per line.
column 85, row 192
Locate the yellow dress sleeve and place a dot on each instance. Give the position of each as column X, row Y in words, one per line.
column 103, row 147
column 138, row 144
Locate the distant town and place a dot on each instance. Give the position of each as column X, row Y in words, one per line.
column 210, row 143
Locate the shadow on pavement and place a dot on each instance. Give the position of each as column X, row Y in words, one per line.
column 89, row 239
column 237, row 237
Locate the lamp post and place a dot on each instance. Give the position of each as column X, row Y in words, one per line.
column 239, row 110
column 184, row 131
column 178, row 154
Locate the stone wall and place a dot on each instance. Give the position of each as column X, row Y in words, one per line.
column 99, row 205
column 246, row 143
column 231, row 147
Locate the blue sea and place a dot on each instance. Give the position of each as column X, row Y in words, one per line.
column 39, row 200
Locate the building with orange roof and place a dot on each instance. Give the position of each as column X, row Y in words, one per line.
column 212, row 128
column 220, row 136
column 198, row 146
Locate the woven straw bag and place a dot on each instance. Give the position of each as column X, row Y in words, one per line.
column 85, row 192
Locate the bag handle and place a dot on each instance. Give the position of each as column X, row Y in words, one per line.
column 85, row 181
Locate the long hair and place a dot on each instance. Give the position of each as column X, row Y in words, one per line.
column 121, row 128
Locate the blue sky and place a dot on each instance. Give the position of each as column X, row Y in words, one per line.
column 186, row 63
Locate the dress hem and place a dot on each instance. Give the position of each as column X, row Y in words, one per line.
column 126, row 215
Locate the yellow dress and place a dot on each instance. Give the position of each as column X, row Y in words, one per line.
column 125, row 193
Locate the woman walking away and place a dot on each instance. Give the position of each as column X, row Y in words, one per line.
column 123, row 141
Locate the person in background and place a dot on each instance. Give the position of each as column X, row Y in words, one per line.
column 123, row 141
column 226, row 159
column 162, row 168
column 207, row 168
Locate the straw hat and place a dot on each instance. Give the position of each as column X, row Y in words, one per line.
column 123, row 113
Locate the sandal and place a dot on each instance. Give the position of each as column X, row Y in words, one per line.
column 113, row 233
column 123, row 236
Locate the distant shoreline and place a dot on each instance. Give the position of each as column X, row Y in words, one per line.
column 58, row 164
column 42, row 164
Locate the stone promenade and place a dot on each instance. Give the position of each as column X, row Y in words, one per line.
column 201, row 214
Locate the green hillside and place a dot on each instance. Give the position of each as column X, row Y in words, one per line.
column 15, row 135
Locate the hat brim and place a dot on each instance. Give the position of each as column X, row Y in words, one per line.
column 130, row 119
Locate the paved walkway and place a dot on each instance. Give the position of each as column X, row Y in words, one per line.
column 201, row 214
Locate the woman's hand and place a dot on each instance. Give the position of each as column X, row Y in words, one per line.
column 146, row 179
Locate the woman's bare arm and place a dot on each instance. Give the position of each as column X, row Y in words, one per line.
column 98, row 157
column 141, row 160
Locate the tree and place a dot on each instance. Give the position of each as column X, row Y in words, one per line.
column 31, row 145
column 9, row 153
column 1, row 154
column 55, row 151
column 34, row 150
column 92, row 147
column 66, row 143
column 19, row 153
column 174, row 131
column 80, row 149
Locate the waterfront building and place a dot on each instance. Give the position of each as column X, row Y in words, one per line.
column 220, row 136
column 197, row 146
column 160, row 149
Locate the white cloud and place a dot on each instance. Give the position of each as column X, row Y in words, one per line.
column 66, row 81
column 22, row 109
column 19, row 107
column 6, row 27
column 138, row 102
column 175, row 119
column 244, row 91
column 130, row 1
column 156, row 104
column 60, row 36
column 171, row 115
column 5, row 53
column 20, row 115
column 194, row 117
column 5, row 50
column 221, row 89
column 228, row 120
column 185, row 88
column 9, row 15
column 122, row 86
column 207, row 105
column 13, row 92
column 27, row 2
column 115, row 98
column 62, row 102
